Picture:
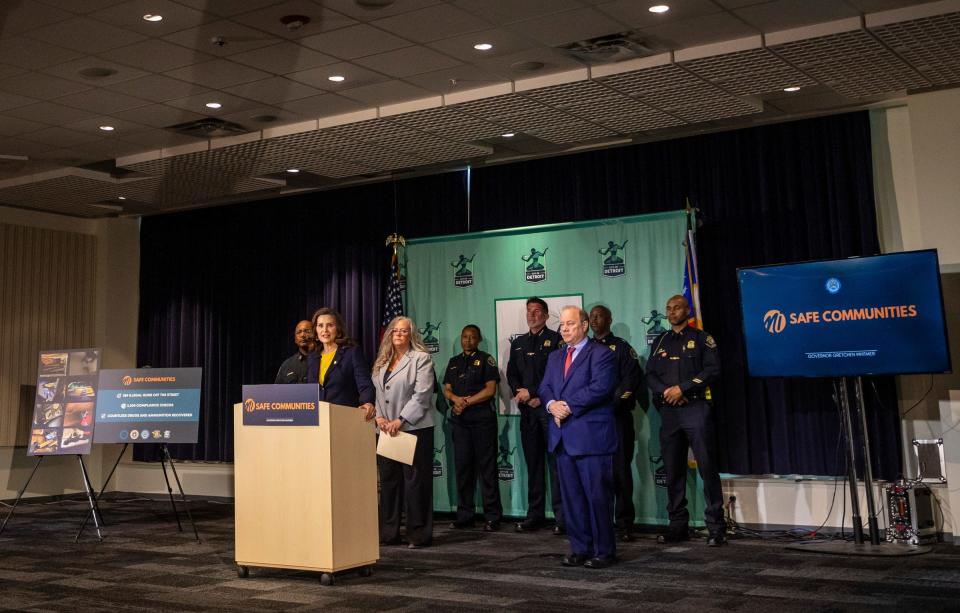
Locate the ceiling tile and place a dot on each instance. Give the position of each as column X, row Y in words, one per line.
column 217, row 73
column 102, row 101
column 274, row 90
column 108, row 148
column 231, row 103
column 356, row 76
column 16, row 146
column 508, row 11
column 11, row 101
column 386, row 92
column 152, row 139
column 176, row 17
column 636, row 15
column 408, row 61
column 33, row 54
column 86, row 35
column 787, row 14
column 237, row 38
column 59, row 137
column 873, row 6
column 283, row 58
column 459, row 78
column 7, row 71
column 226, row 8
column 569, row 26
column 552, row 60
column 156, row 55
column 253, row 117
column 698, row 31
column 158, row 88
column 123, row 127
column 159, row 115
column 11, row 126
column 321, row 19
column 19, row 17
column 42, row 86
column 321, row 106
column 356, row 41
column 432, row 23
column 71, row 70
column 87, row 6
column 504, row 42
column 360, row 13
column 50, row 113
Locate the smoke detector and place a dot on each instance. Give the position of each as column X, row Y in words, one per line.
column 610, row 48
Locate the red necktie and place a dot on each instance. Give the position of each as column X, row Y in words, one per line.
column 568, row 361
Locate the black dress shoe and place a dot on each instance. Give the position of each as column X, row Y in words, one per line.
column 559, row 531
column 716, row 540
column 395, row 541
column 491, row 526
column 673, row 537
column 598, row 563
column 625, row 536
column 417, row 545
column 528, row 525
column 573, row 559
column 461, row 524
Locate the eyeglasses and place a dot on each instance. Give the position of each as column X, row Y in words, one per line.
column 402, row 331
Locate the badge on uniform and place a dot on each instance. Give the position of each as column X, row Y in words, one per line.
column 547, row 342
column 691, row 344
column 476, row 362
column 612, row 347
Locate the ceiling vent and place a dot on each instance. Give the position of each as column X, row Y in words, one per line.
column 610, row 48
column 208, row 127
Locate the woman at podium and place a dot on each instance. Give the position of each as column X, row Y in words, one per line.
column 338, row 365
column 404, row 380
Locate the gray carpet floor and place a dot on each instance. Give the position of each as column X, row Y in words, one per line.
column 145, row 564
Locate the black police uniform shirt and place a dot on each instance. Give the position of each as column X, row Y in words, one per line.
column 528, row 359
column 293, row 370
column 688, row 358
column 468, row 375
column 628, row 370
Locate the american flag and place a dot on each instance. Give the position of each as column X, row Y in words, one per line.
column 393, row 303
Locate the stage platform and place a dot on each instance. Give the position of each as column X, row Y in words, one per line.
column 144, row 564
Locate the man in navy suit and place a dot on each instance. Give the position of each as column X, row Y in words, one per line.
column 577, row 390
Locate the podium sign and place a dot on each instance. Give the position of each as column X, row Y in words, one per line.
column 281, row 405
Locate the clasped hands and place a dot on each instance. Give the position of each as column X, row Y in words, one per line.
column 459, row 404
column 674, row 396
column 523, row 396
column 560, row 411
column 389, row 427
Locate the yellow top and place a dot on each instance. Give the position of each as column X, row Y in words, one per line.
column 326, row 359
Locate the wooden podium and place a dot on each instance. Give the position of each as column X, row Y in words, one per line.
column 306, row 496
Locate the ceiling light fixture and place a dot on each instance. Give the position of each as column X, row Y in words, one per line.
column 791, row 89
column 153, row 17
column 509, row 135
column 121, row 197
column 213, row 105
column 659, row 8
column 107, row 128
column 293, row 170
column 336, row 78
column 483, row 46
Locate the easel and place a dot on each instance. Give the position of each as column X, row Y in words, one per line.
column 87, row 486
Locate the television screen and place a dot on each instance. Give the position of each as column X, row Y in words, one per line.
column 860, row 316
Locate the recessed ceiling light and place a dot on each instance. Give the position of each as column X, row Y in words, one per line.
column 791, row 89
column 107, row 128
column 152, row 17
column 483, row 46
column 508, row 135
column 293, row 170
column 659, row 8
column 336, row 78
column 213, row 105
column 121, row 197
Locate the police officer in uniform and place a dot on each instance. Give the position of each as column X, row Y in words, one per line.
column 683, row 362
column 294, row 368
column 628, row 381
column 470, row 386
column 528, row 360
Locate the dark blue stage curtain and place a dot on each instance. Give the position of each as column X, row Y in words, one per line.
column 222, row 288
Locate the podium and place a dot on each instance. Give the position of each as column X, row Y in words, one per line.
column 306, row 496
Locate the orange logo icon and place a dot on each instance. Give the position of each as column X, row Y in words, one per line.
column 248, row 405
column 127, row 379
column 774, row 321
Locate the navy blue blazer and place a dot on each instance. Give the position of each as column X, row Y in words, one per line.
column 348, row 378
column 588, row 390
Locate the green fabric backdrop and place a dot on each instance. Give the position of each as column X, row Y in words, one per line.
column 448, row 292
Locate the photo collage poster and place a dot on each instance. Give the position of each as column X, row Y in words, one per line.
column 63, row 415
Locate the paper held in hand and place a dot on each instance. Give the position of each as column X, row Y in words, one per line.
column 399, row 447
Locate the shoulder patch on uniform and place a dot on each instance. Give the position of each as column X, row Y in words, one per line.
column 710, row 342
column 491, row 361
column 633, row 354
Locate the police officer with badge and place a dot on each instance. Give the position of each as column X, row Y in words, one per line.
column 528, row 361
column 683, row 362
column 470, row 385
column 294, row 368
column 628, row 381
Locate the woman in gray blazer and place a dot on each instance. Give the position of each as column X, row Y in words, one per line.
column 404, row 381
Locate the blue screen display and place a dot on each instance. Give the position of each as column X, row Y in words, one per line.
column 859, row 316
